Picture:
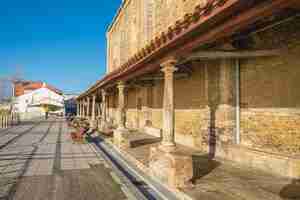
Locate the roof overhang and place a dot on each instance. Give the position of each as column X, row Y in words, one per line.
column 220, row 19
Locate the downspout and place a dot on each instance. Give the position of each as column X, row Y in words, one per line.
column 237, row 87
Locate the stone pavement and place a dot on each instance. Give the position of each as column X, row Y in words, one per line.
column 38, row 160
column 218, row 179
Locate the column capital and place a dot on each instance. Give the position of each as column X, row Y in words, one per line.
column 103, row 92
column 121, row 84
column 171, row 61
column 168, row 66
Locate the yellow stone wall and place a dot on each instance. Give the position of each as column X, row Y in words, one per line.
column 270, row 98
column 191, row 111
column 270, row 93
column 138, row 22
column 157, row 118
column 131, row 118
column 112, row 107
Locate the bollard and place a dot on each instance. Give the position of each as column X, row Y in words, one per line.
column 6, row 125
column 17, row 119
column 12, row 119
column 9, row 120
column 6, row 121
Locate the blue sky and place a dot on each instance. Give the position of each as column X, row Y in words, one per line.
column 61, row 42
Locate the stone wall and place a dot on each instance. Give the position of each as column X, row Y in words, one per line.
column 270, row 97
column 112, row 108
column 191, row 109
column 140, row 21
column 205, row 101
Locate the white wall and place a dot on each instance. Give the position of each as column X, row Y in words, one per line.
column 29, row 105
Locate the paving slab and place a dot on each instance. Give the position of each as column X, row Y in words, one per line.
column 40, row 161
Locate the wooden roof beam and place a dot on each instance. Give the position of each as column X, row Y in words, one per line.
column 204, row 55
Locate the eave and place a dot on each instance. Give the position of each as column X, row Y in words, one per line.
column 230, row 16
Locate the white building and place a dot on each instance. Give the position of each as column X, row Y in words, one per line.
column 32, row 104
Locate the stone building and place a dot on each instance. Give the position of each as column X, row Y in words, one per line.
column 220, row 76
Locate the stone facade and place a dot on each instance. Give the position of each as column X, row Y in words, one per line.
column 138, row 22
column 245, row 109
column 205, row 107
column 270, row 115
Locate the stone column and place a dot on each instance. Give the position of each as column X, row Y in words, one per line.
column 121, row 107
column 104, row 106
column 81, row 109
column 168, row 140
column 167, row 163
column 88, row 107
column 225, row 115
column 121, row 133
column 78, row 109
column 93, row 117
column 94, row 108
column 148, row 95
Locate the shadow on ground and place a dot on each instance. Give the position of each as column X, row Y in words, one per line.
column 203, row 165
column 141, row 142
column 291, row 191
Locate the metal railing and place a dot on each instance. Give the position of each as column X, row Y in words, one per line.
column 9, row 120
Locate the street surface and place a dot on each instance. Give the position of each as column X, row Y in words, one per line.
column 38, row 160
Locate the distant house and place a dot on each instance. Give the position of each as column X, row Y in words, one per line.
column 24, row 87
column 36, row 103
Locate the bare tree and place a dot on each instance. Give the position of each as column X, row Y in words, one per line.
column 7, row 83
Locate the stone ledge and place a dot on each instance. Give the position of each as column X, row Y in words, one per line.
column 120, row 138
column 145, row 169
column 153, row 131
column 276, row 164
column 174, row 169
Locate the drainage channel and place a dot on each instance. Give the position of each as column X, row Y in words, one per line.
column 133, row 180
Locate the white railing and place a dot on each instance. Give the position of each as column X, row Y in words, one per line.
column 9, row 120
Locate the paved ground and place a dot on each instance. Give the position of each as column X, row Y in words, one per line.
column 38, row 160
column 231, row 181
column 219, row 179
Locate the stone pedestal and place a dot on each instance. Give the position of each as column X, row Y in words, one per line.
column 174, row 169
column 94, row 124
column 120, row 138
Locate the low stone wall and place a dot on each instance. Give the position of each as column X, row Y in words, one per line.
column 157, row 118
column 131, row 118
column 275, row 130
column 273, row 163
column 112, row 115
column 190, row 125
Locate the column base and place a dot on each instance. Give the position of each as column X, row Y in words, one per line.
column 120, row 138
column 103, row 126
column 174, row 169
column 93, row 124
column 168, row 147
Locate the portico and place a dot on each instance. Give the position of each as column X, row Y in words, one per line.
column 195, row 86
